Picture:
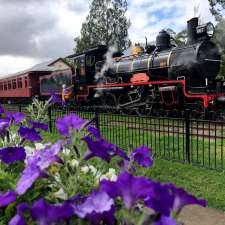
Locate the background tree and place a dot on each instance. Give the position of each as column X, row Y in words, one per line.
column 106, row 24
column 217, row 8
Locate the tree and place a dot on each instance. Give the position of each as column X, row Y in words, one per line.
column 106, row 24
column 218, row 38
column 217, row 8
column 179, row 38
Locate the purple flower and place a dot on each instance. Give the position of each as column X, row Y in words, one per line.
column 2, row 110
column 12, row 154
column 17, row 117
column 160, row 199
column 102, row 149
column 182, row 198
column 68, row 122
column 96, row 149
column 30, row 174
column 55, row 98
column 47, row 214
column 129, row 188
column 18, row 219
column 7, row 198
column 29, row 134
column 96, row 208
column 164, row 220
column 36, row 165
column 141, row 155
column 4, row 124
column 94, row 131
column 38, row 125
column 112, row 149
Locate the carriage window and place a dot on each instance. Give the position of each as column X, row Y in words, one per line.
column 1, row 86
column 9, row 84
column 19, row 82
column 25, row 81
column 14, row 84
column 5, row 85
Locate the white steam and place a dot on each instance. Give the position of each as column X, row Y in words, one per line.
column 108, row 63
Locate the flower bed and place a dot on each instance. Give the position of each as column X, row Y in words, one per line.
column 75, row 180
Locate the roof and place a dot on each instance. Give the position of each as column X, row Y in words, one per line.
column 96, row 48
column 41, row 67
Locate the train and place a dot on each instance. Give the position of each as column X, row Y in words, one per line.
column 162, row 76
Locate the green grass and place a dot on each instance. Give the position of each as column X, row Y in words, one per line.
column 203, row 183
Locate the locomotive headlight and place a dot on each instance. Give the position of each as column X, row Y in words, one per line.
column 205, row 30
column 210, row 29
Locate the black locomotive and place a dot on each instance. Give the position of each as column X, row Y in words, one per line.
column 162, row 76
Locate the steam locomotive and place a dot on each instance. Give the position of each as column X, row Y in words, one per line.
column 163, row 76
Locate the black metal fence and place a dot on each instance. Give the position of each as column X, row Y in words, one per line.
column 196, row 141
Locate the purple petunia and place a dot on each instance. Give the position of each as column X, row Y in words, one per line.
column 30, row 174
column 182, row 198
column 7, row 198
column 128, row 188
column 141, row 155
column 96, row 149
column 36, row 165
column 165, row 220
column 15, row 117
column 68, row 122
column 100, row 147
column 18, row 219
column 12, row 154
column 2, row 110
column 55, row 99
column 47, row 214
column 96, row 208
column 160, row 199
column 4, row 124
column 29, row 134
column 38, row 125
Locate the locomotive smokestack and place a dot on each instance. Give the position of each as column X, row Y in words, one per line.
column 191, row 30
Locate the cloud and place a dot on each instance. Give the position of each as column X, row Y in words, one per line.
column 151, row 16
column 40, row 28
column 12, row 64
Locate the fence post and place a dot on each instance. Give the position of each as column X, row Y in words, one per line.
column 20, row 108
column 187, row 136
column 50, row 118
column 97, row 119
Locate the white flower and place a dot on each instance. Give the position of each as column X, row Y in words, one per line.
column 61, row 194
column 85, row 169
column 103, row 177
column 39, row 146
column 112, row 171
column 29, row 151
column 113, row 177
column 74, row 163
column 93, row 169
column 66, row 151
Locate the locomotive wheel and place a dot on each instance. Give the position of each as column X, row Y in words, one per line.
column 109, row 103
column 124, row 106
column 145, row 110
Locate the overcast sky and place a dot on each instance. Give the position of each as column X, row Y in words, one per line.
column 33, row 31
